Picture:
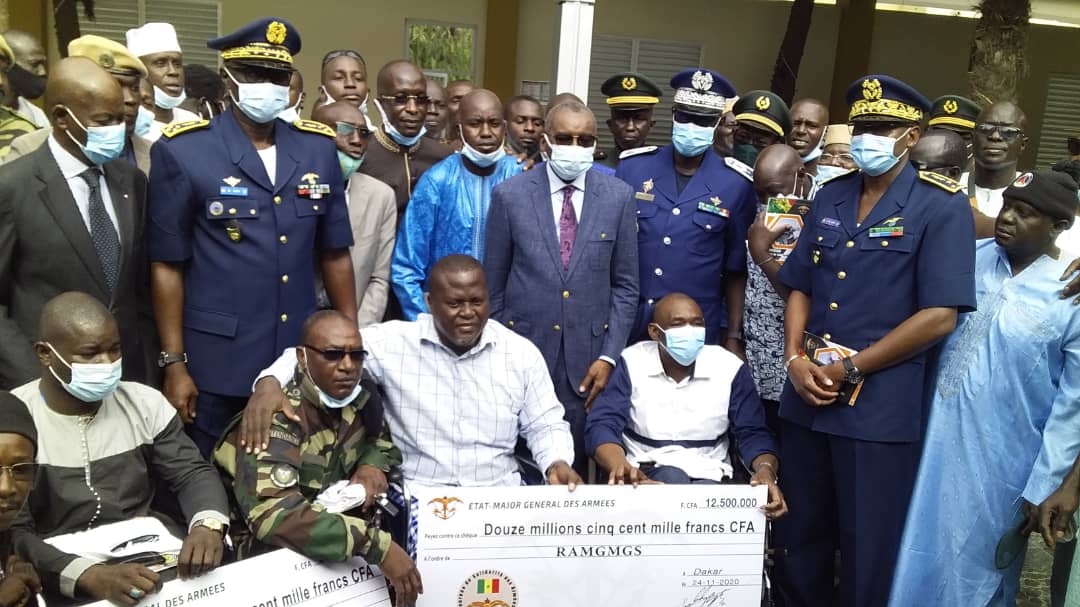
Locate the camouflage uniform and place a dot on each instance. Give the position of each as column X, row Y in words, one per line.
column 274, row 491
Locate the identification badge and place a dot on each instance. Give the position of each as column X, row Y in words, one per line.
column 227, row 190
column 887, row 232
column 714, row 209
column 832, row 222
column 644, row 196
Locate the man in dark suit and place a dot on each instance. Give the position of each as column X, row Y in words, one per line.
column 561, row 261
column 71, row 219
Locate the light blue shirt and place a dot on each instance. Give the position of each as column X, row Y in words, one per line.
column 447, row 215
column 1004, row 427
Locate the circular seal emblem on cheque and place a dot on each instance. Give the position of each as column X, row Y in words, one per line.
column 488, row 588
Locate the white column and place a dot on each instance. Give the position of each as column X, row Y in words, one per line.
column 575, row 47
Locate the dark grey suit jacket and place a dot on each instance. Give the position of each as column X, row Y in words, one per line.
column 45, row 250
column 588, row 309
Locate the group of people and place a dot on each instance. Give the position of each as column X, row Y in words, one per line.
column 213, row 310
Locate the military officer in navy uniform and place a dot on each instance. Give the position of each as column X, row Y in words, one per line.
column 631, row 98
column 693, row 210
column 883, row 266
column 243, row 210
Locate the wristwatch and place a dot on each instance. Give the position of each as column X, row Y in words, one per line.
column 852, row 375
column 212, row 524
column 167, row 358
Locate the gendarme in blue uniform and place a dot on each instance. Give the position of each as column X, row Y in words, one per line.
column 249, row 244
column 688, row 241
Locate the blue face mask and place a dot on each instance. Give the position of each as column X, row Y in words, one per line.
column 89, row 382
column 826, row 172
column 690, row 139
column 683, row 343
column 874, row 154
column 166, row 101
column 395, row 134
column 143, row 121
column 260, row 101
column 103, row 143
column 478, row 158
column 349, row 165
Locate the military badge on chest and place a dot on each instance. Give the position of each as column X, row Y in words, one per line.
column 311, row 188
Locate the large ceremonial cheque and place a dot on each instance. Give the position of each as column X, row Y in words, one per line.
column 654, row 545
column 277, row 579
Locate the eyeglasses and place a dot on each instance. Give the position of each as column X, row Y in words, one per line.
column 21, row 473
column 403, row 100
column 346, row 129
column 831, row 158
column 698, row 119
column 335, row 355
column 585, row 141
column 1008, row 133
column 142, row 539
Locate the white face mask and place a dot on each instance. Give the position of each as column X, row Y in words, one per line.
column 570, row 161
column 90, row 382
column 166, row 101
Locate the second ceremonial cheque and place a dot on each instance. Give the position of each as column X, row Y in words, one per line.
column 677, row 546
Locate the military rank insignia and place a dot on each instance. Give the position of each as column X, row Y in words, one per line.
column 713, row 207
column 815, row 257
column 311, row 188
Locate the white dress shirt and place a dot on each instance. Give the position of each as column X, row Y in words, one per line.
column 457, row 418
column 988, row 201
column 71, row 168
column 179, row 115
column 577, row 198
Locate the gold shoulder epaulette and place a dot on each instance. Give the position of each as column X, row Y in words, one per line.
column 312, row 126
column 174, row 129
column 949, row 185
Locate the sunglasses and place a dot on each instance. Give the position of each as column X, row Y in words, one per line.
column 335, row 355
column 1008, row 133
column 698, row 119
column 346, row 129
column 402, row 100
column 585, row 141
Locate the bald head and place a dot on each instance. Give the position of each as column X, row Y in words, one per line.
column 338, row 111
column 676, row 309
column 323, row 322
column 482, row 126
column 478, row 98
column 776, row 171
column 999, row 150
column 72, row 314
column 560, row 99
column 941, row 151
column 397, row 73
column 76, row 82
column 455, row 264
column 28, row 50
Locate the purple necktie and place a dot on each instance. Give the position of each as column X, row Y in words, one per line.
column 567, row 227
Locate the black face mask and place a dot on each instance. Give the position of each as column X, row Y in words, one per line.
column 26, row 84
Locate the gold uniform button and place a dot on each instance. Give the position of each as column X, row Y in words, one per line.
column 884, row 243
column 850, row 244
column 284, row 239
column 566, row 294
column 557, row 328
column 820, row 238
column 232, row 211
column 277, row 199
column 827, row 336
column 284, row 278
column 510, row 324
column 841, row 275
column 314, row 207
column 284, row 318
column 252, row 211
column 834, row 306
